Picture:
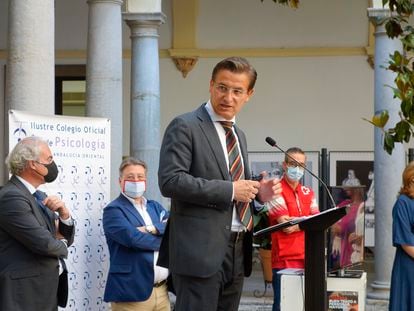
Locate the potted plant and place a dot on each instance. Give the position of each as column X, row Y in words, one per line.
column 264, row 243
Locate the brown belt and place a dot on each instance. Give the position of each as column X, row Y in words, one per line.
column 160, row 283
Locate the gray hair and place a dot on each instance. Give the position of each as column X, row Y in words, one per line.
column 131, row 161
column 27, row 149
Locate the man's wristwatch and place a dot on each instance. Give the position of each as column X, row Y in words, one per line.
column 150, row 229
column 64, row 241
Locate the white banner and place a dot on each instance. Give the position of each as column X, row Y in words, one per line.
column 81, row 149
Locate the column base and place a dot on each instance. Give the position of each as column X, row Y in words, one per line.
column 376, row 305
column 380, row 291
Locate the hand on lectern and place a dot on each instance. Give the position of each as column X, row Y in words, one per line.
column 290, row 229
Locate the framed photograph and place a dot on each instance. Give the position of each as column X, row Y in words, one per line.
column 271, row 162
column 356, row 168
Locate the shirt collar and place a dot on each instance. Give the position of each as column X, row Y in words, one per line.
column 144, row 200
column 214, row 116
column 28, row 185
column 289, row 186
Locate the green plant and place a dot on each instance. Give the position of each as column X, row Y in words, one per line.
column 261, row 221
column 397, row 25
column 291, row 3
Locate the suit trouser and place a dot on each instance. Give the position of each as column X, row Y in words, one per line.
column 222, row 291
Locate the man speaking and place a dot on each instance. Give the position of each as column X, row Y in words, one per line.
column 204, row 170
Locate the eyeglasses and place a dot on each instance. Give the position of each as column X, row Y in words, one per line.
column 295, row 164
column 134, row 177
column 224, row 89
column 44, row 164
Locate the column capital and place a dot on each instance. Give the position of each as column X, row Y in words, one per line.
column 148, row 18
column 144, row 24
column 119, row 2
column 378, row 15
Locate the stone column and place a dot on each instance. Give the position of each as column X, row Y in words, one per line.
column 30, row 77
column 104, row 74
column 387, row 168
column 145, row 93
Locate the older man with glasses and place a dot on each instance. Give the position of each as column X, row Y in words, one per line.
column 35, row 232
column 288, row 245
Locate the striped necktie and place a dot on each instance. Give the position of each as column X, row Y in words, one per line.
column 236, row 170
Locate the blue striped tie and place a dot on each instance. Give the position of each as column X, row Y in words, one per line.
column 39, row 196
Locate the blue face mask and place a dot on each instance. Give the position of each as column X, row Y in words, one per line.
column 294, row 173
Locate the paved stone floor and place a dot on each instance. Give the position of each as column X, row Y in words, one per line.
column 255, row 285
column 255, row 298
column 256, row 295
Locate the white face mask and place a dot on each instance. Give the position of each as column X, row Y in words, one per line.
column 134, row 188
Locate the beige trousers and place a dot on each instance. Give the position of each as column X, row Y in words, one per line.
column 158, row 301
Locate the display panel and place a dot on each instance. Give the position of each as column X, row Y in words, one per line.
column 357, row 166
column 346, row 236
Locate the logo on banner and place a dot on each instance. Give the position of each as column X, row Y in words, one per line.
column 19, row 134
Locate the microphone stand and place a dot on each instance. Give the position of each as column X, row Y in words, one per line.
column 314, row 227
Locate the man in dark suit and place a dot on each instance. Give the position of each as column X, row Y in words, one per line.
column 208, row 242
column 33, row 238
column 134, row 227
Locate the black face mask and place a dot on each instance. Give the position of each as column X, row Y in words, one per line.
column 52, row 172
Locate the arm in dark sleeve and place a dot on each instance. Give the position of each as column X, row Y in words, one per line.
column 67, row 231
column 18, row 220
column 188, row 169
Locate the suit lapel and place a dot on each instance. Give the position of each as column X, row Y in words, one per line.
column 130, row 210
column 41, row 218
column 210, row 132
column 153, row 214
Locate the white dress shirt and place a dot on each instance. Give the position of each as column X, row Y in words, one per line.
column 160, row 273
column 236, row 224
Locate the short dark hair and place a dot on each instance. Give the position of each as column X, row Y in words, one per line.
column 236, row 65
column 131, row 161
column 291, row 151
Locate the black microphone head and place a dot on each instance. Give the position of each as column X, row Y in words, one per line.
column 270, row 141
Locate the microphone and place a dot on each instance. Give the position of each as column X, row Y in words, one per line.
column 272, row 143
